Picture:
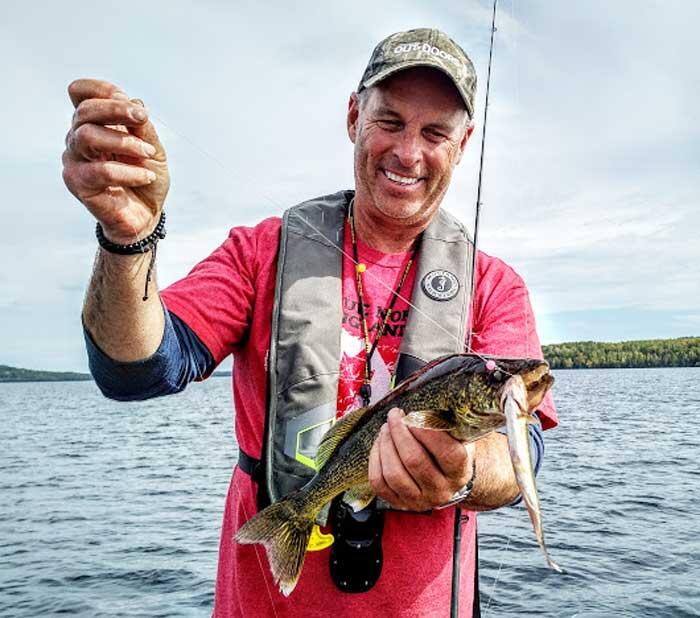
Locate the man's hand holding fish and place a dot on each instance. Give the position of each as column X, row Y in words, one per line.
column 417, row 469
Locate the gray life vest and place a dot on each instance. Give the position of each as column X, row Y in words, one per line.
column 304, row 356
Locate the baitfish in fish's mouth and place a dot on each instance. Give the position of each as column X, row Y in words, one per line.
column 466, row 395
column 516, row 404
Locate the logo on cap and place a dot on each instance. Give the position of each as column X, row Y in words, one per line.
column 428, row 49
column 440, row 285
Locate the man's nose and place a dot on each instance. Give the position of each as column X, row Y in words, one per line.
column 407, row 148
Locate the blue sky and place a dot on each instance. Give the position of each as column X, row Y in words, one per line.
column 591, row 176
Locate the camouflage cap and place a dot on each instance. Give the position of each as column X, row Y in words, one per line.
column 422, row 47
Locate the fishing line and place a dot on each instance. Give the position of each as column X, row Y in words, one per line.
column 498, row 574
column 375, row 278
column 207, row 396
column 257, row 554
column 457, row 526
column 510, row 534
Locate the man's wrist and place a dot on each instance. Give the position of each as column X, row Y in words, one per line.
column 463, row 493
column 138, row 246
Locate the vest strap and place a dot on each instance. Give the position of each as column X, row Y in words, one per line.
column 251, row 466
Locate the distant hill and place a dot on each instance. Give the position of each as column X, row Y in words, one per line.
column 15, row 374
column 681, row 352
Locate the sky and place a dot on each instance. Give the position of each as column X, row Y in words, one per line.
column 591, row 186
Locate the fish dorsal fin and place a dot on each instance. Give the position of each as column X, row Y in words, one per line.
column 437, row 420
column 336, row 434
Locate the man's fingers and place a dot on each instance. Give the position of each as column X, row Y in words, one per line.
column 109, row 112
column 414, row 456
column 98, row 175
column 82, row 89
column 102, row 103
column 147, row 132
column 376, row 474
column 396, row 476
column 89, row 141
column 449, row 454
column 405, row 472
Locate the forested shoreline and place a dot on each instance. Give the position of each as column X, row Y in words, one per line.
column 17, row 374
column 681, row 352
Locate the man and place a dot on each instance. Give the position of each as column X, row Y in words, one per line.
column 315, row 310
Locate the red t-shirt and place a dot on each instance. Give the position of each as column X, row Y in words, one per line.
column 382, row 276
column 227, row 300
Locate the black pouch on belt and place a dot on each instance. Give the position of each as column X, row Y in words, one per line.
column 356, row 554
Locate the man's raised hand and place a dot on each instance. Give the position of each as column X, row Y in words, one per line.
column 114, row 162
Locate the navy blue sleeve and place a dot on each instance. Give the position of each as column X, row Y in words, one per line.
column 180, row 359
column 536, row 445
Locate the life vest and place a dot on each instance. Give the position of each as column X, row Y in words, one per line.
column 304, row 356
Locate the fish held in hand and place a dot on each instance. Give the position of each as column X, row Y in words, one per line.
column 461, row 394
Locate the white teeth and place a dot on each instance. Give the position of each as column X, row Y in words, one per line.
column 400, row 179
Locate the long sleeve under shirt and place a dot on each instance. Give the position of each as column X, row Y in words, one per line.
column 180, row 359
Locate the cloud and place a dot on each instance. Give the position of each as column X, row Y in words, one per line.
column 616, row 324
column 590, row 177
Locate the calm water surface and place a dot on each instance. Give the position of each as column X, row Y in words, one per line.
column 114, row 509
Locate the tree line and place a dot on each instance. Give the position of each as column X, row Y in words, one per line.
column 17, row 374
column 681, row 352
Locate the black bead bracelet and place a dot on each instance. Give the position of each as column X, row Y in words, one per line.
column 149, row 243
column 140, row 246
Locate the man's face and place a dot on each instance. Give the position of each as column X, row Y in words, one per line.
column 409, row 133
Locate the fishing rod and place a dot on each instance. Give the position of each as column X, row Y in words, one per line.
column 454, row 603
column 457, row 534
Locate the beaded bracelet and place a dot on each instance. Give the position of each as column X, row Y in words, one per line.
column 140, row 246
column 149, row 243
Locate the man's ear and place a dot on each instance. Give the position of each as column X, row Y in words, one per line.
column 353, row 115
column 465, row 138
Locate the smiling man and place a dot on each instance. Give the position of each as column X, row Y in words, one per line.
column 409, row 134
column 315, row 309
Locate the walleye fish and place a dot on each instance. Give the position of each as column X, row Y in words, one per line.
column 460, row 393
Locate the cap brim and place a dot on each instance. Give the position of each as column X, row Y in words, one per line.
column 411, row 64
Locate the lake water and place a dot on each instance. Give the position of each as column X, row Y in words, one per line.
column 114, row 509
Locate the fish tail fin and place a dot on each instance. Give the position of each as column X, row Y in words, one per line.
column 550, row 562
column 284, row 531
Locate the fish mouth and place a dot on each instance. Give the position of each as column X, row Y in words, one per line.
column 538, row 380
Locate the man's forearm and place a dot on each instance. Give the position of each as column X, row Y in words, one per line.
column 126, row 327
column 180, row 359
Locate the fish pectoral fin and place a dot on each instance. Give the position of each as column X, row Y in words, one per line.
column 359, row 496
column 437, row 420
column 336, row 434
